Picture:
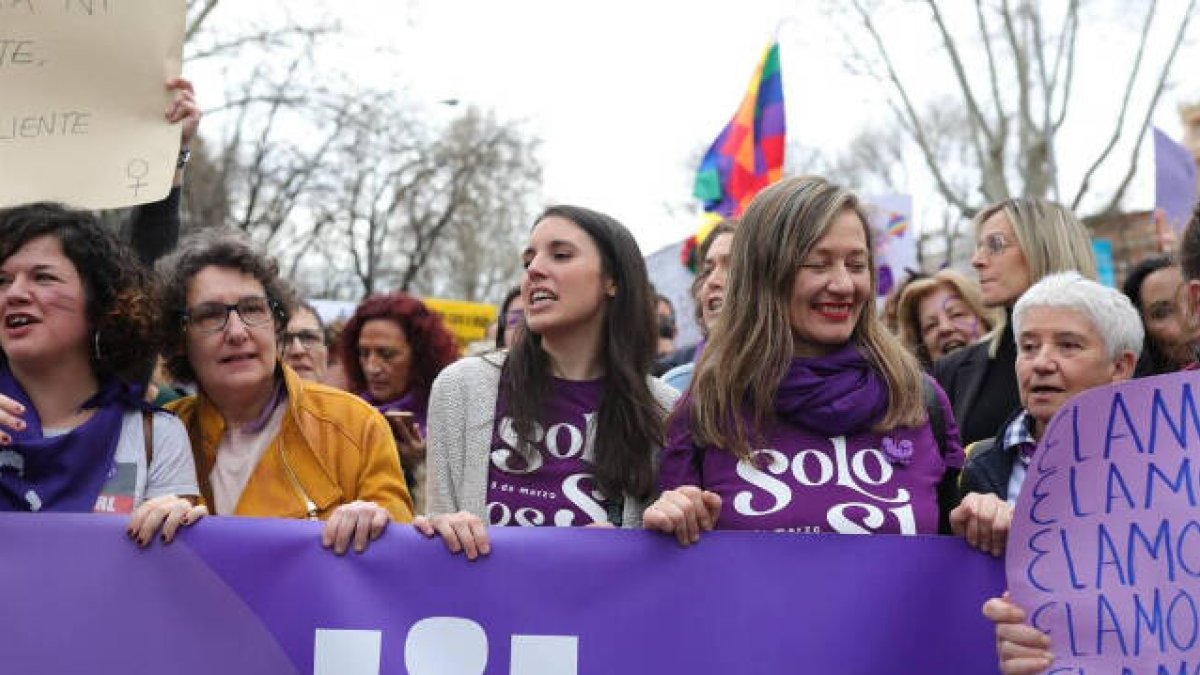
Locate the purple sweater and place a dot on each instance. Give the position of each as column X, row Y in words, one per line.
column 858, row 483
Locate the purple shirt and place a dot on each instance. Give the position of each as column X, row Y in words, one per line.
column 861, row 483
column 556, row 487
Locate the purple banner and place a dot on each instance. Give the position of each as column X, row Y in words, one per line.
column 1104, row 552
column 237, row 596
column 1174, row 180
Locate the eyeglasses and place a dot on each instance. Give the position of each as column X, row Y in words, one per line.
column 992, row 244
column 513, row 318
column 309, row 339
column 213, row 317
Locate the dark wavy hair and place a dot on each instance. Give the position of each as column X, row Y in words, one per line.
column 630, row 422
column 1189, row 247
column 502, row 320
column 213, row 248
column 122, row 308
column 307, row 307
column 1152, row 361
column 433, row 346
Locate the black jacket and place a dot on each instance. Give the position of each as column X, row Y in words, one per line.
column 989, row 466
column 966, row 374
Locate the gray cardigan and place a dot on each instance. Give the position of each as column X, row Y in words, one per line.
column 459, row 427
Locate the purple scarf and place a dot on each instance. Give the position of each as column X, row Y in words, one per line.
column 408, row 403
column 67, row 472
column 833, row 395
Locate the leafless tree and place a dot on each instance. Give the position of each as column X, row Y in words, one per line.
column 414, row 209
column 1016, row 94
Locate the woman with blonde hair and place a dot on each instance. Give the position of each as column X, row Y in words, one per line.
column 1017, row 243
column 940, row 314
column 806, row 414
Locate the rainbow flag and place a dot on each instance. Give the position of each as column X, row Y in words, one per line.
column 897, row 225
column 748, row 154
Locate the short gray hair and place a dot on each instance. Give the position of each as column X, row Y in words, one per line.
column 1110, row 311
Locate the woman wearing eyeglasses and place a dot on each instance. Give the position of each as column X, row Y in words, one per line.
column 511, row 322
column 304, row 346
column 266, row 442
column 79, row 317
column 1018, row 241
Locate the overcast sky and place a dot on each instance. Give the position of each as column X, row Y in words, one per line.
column 623, row 94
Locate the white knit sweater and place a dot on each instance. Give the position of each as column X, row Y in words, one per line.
column 461, row 420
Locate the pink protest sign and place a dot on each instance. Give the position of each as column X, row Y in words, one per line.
column 1104, row 552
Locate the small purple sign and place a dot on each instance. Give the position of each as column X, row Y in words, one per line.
column 242, row 596
column 1104, row 552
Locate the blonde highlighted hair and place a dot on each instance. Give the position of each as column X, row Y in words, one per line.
column 908, row 312
column 753, row 344
column 1051, row 238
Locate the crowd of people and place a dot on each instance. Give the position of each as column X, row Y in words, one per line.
column 800, row 411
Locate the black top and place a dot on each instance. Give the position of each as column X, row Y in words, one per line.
column 154, row 227
column 982, row 390
column 989, row 465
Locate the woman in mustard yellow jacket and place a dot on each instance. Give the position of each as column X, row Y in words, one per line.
column 267, row 443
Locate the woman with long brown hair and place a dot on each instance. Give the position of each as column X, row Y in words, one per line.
column 805, row 413
column 561, row 430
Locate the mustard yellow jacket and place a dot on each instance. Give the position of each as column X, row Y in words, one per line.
column 332, row 448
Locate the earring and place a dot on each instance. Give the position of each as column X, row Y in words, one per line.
column 96, row 345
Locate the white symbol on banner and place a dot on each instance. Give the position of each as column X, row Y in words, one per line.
column 443, row 645
column 14, row 460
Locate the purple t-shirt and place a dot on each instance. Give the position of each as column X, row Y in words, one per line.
column 863, row 483
column 556, row 487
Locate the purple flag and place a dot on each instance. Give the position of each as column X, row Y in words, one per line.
column 1174, row 180
column 242, row 595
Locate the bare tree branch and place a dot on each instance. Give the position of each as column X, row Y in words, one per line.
column 197, row 23
column 910, row 112
column 1119, row 126
column 976, row 115
column 1119, row 193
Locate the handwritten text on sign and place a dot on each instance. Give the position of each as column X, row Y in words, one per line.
column 82, row 98
column 1105, row 545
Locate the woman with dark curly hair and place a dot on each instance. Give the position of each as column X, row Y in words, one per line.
column 393, row 348
column 79, row 319
column 266, row 442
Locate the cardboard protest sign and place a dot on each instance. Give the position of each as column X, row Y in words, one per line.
column 82, row 99
column 895, row 241
column 1104, row 551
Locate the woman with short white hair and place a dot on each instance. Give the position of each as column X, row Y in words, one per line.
column 1072, row 334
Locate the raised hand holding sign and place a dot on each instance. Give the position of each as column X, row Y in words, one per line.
column 82, row 100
